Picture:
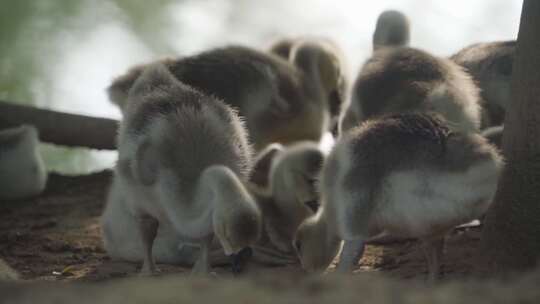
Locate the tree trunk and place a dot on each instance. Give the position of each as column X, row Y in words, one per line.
column 511, row 236
column 62, row 128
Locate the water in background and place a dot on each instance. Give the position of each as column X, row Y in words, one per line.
column 61, row 54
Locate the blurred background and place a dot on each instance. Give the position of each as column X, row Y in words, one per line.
column 62, row 54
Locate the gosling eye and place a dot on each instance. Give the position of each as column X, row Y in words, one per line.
column 313, row 205
column 298, row 246
column 312, row 181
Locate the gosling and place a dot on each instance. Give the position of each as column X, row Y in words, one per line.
column 392, row 30
column 291, row 195
column 282, row 100
column 335, row 91
column 292, row 172
column 438, row 179
column 182, row 158
column 400, row 80
column 22, row 171
column 490, row 65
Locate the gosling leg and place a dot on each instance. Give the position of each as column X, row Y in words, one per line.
column 202, row 266
column 433, row 249
column 148, row 230
column 350, row 255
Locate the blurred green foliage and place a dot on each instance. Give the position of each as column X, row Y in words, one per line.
column 24, row 26
column 27, row 37
column 31, row 33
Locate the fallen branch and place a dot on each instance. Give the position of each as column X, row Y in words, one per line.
column 62, row 128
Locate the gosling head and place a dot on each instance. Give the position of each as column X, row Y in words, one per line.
column 315, row 244
column 293, row 176
column 282, row 47
column 236, row 218
column 260, row 173
column 392, row 30
column 237, row 230
column 118, row 90
column 322, row 64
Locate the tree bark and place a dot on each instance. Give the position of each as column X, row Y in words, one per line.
column 511, row 236
column 62, row 128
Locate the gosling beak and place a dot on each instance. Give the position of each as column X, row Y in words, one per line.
column 335, row 130
column 313, row 205
column 238, row 260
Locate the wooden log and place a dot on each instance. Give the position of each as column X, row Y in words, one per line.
column 59, row 128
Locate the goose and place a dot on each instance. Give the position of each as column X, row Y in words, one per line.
column 282, row 100
column 291, row 194
column 22, row 171
column 409, row 175
column 490, row 65
column 404, row 79
column 336, row 90
column 294, row 170
column 391, row 30
column 182, row 158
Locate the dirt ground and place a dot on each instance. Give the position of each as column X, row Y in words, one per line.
column 56, row 237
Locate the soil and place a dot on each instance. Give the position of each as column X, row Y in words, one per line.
column 57, row 237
